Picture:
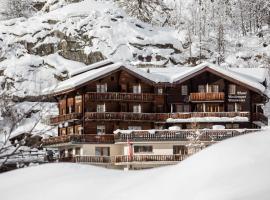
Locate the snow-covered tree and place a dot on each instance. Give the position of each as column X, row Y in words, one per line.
column 19, row 8
column 150, row 11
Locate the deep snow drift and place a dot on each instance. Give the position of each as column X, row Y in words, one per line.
column 237, row 168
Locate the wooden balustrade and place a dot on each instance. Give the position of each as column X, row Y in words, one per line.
column 158, row 116
column 205, row 96
column 181, row 135
column 118, row 96
column 63, row 118
column 120, row 116
column 260, row 117
column 123, row 159
column 85, row 138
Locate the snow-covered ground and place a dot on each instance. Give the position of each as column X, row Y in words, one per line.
column 235, row 169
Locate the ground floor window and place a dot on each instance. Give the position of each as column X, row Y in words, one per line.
column 77, row 151
column 102, row 151
column 180, row 149
column 143, row 149
column 232, row 126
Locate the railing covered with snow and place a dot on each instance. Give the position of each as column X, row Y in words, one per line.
column 63, row 118
column 124, row 159
column 119, row 96
column 86, row 138
column 159, row 116
column 207, row 96
column 180, row 135
column 260, row 117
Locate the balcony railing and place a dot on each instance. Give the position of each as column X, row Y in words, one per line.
column 155, row 117
column 123, row 159
column 63, row 118
column 260, row 117
column 117, row 96
column 205, row 96
column 119, row 116
column 181, row 135
column 76, row 139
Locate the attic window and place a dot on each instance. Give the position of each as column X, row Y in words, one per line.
column 102, row 87
column 137, row 89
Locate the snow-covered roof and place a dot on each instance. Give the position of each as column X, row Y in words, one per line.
column 90, row 67
column 252, row 77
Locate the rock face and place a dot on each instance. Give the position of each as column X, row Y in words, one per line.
column 81, row 31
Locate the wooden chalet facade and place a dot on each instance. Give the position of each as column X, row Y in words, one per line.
column 102, row 108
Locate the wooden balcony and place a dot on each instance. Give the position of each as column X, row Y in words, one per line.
column 260, row 118
column 157, row 117
column 124, row 159
column 213, row 96
column 63, row 118
column 77, row 139
column 181, row 135
column 120, row 116
column 117, row 96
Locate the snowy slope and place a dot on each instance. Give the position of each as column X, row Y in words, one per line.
column 235, row 169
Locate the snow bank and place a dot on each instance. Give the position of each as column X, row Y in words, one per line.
column 235, row 169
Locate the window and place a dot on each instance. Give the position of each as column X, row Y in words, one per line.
column 182, row 108
column 134, row 128
column 137, row 89
column 236, row 126
column 143, row 149
column 201, row 88
column 137, row 108
column 231, row 107
column 160, row 90
column 102, row 151
column 238, row 107
column 70, row 152
column 63, row 131
column 77, row 151
column 180, row 149
column 101, row 108
column 101, row 130
column 232, row 89
column 184, row 90
column 70, row 109
column 215, row 88
column 102, row 87
column 70, row 130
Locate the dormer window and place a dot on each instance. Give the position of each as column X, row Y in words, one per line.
column 137, row 89
column 184, row 90
column 160, row 90
column 232, row 89
column 102, row 87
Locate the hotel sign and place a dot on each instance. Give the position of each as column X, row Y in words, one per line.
column 238, row 97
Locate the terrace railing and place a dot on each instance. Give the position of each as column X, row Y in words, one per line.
column 118, row 96
column 206, row 96
column 85, row 138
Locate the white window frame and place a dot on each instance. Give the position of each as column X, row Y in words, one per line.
column 102, row 129
column 184, row 90
column 102, row 87
column 232, row 89
column 137, row 108
column 134, row 128
column 101, row 108
column 137, row 89
column 160, row 90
